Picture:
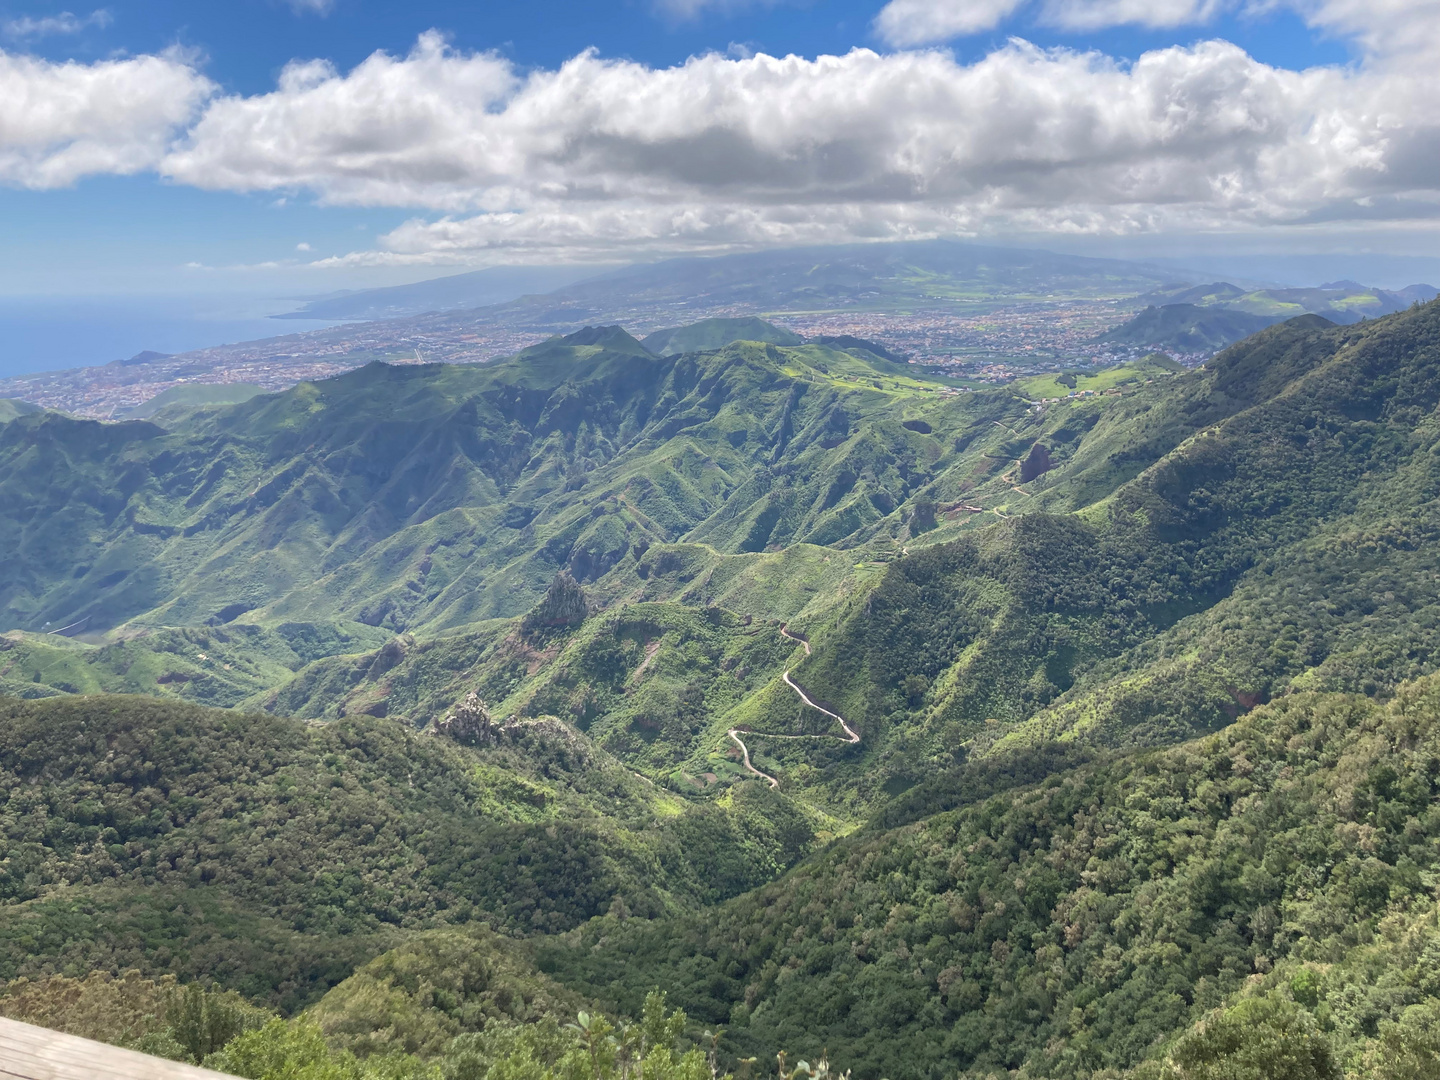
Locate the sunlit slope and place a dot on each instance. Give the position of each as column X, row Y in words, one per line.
column 1282, row 544
column 710, row 334
column 427, row 497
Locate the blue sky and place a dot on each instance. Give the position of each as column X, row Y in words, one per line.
column 247, row 42
column 212, row 179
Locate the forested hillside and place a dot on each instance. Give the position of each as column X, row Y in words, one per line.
column 1079, row 924
column 267, row 854
column 955, row 732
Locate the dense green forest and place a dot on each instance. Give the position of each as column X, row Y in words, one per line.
column 429, row 721
column 1076, row 924
column 118, row 808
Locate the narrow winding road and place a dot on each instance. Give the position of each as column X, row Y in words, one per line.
column 851, row 735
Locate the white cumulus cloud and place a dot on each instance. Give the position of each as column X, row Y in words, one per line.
column 603, row 156
column 1084, row 15
column 409, row 131
column 62, row 121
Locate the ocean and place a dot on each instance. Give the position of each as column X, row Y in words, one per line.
column 51, row 333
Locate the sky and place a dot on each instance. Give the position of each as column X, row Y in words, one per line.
column 298, row 147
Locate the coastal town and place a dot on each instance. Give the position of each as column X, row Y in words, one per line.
column 994, row 345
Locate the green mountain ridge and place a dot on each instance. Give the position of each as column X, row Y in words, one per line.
column 1338, row 301
column 10, row 409
column 481, row 481
column 431, row 497
column 1187, row 328
column 195, row 394
column 710, row 334
column 1143, row 673
column 1206, row 318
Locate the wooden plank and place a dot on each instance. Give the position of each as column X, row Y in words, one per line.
column 28, row 1052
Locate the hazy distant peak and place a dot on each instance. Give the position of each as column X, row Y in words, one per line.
column 615, row 338
column 478, row 288
column 1423, row 293
column 710, row 334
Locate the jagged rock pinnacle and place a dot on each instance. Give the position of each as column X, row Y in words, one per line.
column 468, row 723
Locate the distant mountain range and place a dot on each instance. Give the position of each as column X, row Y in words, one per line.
column 1188, row 328
column 1339, row 301
column 478, row 288
column 922, row 273
column 1206, row 318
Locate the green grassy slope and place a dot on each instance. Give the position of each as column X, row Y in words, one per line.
column 9, row 409
column 1188, row 328
column 195, row 394
column 213, row 665
column 710, row 334
column 1076, row 383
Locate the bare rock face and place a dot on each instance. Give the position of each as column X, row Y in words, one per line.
column 468, row 723
column 565, row 605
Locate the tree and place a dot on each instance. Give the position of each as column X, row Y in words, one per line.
column 1261, row 1038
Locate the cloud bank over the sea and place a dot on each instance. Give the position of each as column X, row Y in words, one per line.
column 603, row 157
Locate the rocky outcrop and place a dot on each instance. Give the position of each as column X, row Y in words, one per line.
column 469, row 723
column 565, row 604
